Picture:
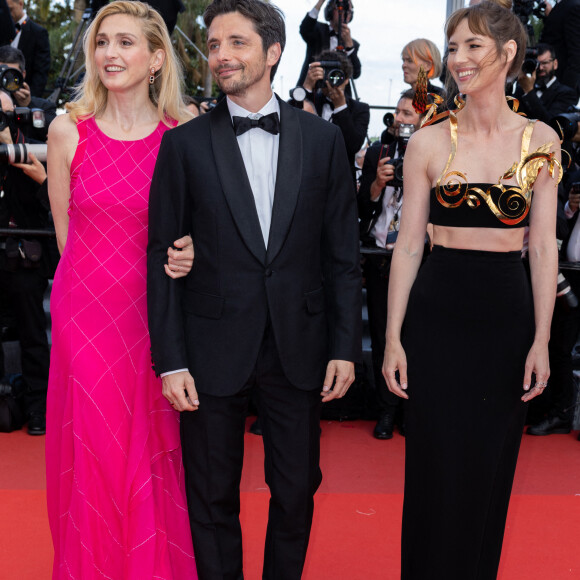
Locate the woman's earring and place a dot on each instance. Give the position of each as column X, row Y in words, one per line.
column 152, row 77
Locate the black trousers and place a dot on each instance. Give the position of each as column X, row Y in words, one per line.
column 23, row 291
column 559, row 396
column 213, row 448
column 376, row 271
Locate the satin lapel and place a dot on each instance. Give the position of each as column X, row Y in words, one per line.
column 288, row 179
column 234, row 180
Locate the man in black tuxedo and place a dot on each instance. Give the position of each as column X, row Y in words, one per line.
column 562, row 31
column 32, row 40
column 541, row 95
column 320, row 36
column 272, row 303
column 333, row 104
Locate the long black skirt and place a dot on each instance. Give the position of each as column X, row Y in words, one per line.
column 468, row 329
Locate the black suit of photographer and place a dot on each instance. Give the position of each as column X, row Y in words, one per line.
column 24, row 204
column 317, row 36
column 562, row 31
column 353, row 122
column 565, row 327
column 554, row 100
column 376, row 269
column 35, row 46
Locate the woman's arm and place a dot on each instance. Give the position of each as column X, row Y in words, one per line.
column 62, row 143
column 543, row 255
column 407, row 256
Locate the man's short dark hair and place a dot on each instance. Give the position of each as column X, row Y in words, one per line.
column 11, row 55
column 543, row 47
column 408, row 94
column 345, row 64
column 268, row 20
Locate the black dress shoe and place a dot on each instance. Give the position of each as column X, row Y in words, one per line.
column 384, row 427
column 402, row 429
column 255, row 427
column 550, row 426
column 37, row 424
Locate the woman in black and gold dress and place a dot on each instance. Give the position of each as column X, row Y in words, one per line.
column 475, row 338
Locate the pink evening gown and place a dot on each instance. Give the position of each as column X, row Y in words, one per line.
column 116, row 499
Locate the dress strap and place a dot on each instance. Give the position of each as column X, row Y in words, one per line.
column 453, row 133
column 527, row 137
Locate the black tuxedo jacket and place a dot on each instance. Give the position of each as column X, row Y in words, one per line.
column 35, row 46
column 306, row 283
column 353, row 122
column 316, row 35
column 555, row 100
column 368, row 210
column 562, row 31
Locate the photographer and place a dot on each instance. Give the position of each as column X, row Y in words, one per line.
column 325, row 87
column 32, row 40
column 561, row 30
column 541, row 95
column 24, row 262
column 565, row 321
column 380, row 199
column 320, row 37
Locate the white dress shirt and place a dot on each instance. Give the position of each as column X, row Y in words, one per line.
column 14, row 43
column 259, row 151
column 573, row 250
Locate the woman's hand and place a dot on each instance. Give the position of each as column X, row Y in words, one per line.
column 35, row 169
column 538, row 364
column 395, row 360
column 180, row 260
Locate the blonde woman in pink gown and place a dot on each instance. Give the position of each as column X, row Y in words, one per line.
column 115, row 489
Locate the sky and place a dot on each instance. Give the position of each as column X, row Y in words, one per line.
column 382, row 27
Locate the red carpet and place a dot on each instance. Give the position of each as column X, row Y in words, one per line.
column 358, row 509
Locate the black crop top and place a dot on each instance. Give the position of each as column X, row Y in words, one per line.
column 484, row 205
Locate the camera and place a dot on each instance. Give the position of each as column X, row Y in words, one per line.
column 524, row 9
column 333, row 73
column 405, row 132
column 566, row 124
column 11, row 79
column 22, row 117
column 18, row 153
column 530, row 63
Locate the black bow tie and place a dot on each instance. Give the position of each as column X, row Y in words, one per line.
column 269, row 123
column 18, row 27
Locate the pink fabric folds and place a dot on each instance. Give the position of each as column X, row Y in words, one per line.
column 115, row 488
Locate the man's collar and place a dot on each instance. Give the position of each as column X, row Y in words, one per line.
column 272, row 106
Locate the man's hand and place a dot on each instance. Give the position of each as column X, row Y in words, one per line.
column 35, row 169
column 336, row 94
column 574, row 197
column 385, row 173
column 22, row 96
column 179, row 390
column 180, row 260
column 341, row 373
column 527, row 82
column 346, row 37
column 315, row 74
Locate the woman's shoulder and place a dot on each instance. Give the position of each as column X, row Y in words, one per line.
column 544, row 135
column 430, row 137
column 63, row 129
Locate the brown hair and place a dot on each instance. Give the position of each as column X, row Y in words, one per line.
column 490, row 19
column 268, row 21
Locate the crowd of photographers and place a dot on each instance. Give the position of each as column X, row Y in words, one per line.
column 547, row 88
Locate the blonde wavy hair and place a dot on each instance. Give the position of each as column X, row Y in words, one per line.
column 165, row 93
column 425, row 50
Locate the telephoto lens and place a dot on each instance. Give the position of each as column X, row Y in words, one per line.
column 11, row 79
column 18, row 153
column 565, row 292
